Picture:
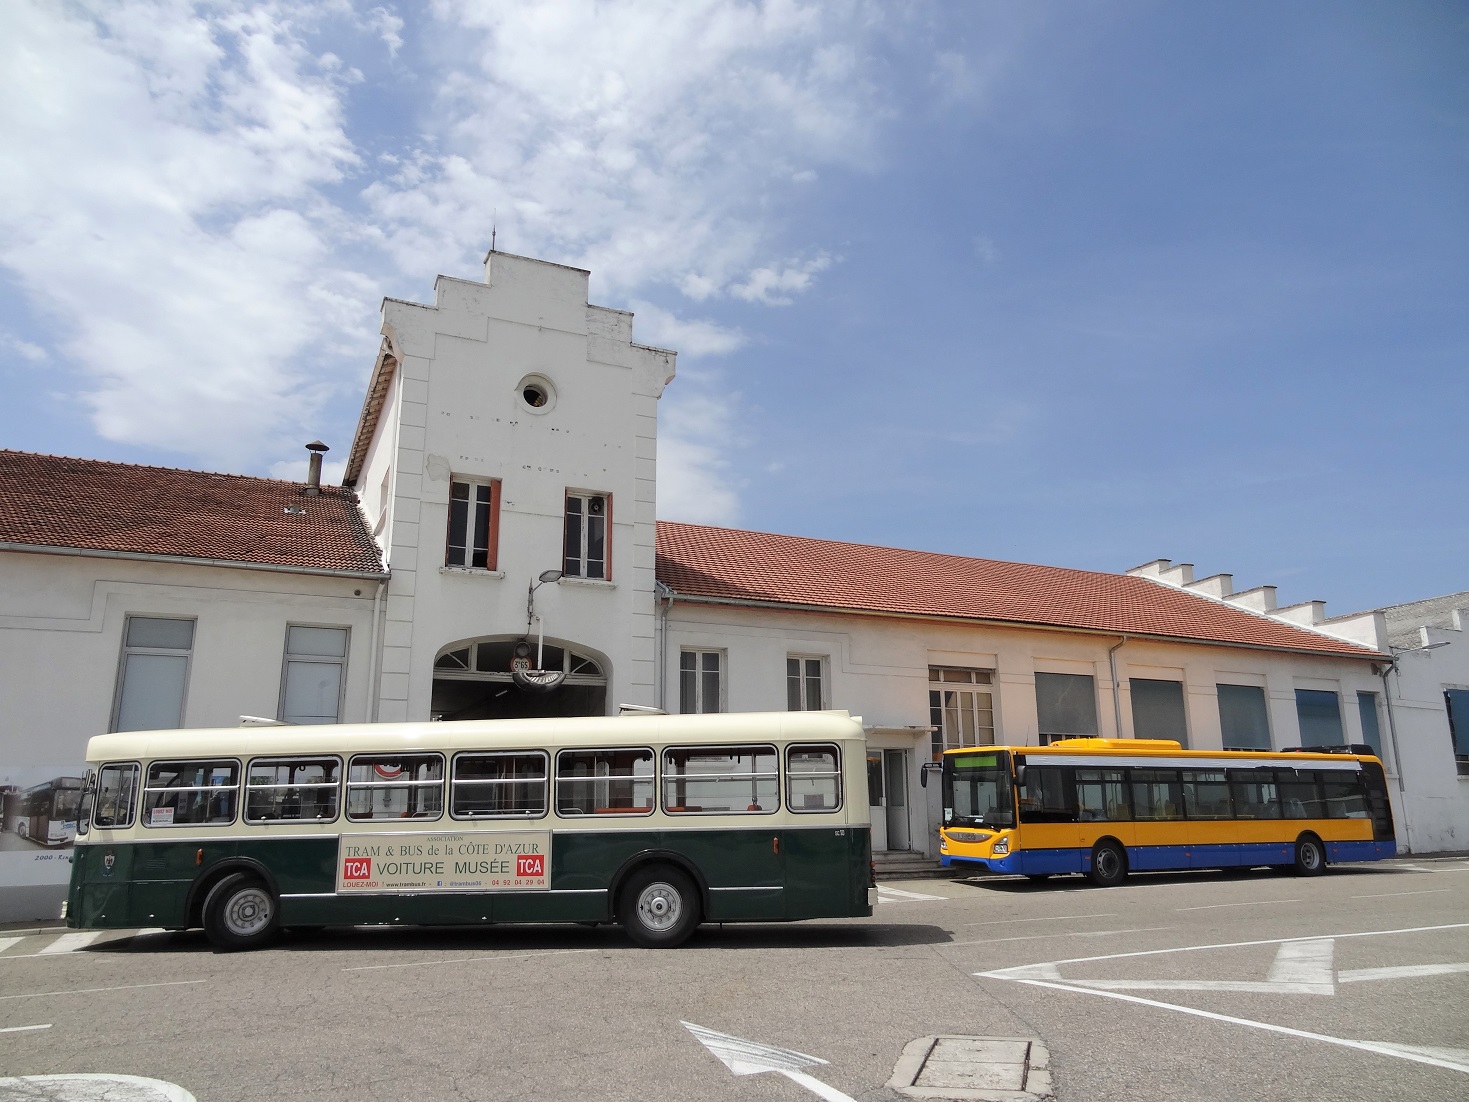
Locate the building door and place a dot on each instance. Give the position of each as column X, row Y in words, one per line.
column 876, row 804
column 895, row 778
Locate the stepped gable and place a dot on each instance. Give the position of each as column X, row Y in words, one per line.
column 49, row 501
column 698, row 561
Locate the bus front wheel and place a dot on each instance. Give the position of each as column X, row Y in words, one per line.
column 1310, row 856
column 1109, row 865
column 659, row 907
column 240, row 913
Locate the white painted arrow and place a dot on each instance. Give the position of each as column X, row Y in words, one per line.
column 749, row 1058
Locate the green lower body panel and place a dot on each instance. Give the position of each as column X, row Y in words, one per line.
column 749, row 875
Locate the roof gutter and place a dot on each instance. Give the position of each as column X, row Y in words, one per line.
column 889, row 614
column 187, row 560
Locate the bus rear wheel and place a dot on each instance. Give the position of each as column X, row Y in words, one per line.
column 240, row 913
column 1310, row 856
column 1109, row 865
column 659, row 907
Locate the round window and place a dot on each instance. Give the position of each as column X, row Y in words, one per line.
column 536, row 393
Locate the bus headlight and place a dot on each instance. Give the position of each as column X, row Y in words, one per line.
column 1002, row 847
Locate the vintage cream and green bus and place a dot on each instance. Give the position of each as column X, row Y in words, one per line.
column 656, row 822
column 1105, row 807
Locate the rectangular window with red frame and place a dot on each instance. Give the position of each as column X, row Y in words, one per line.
column 588, row 549
column 474, row 525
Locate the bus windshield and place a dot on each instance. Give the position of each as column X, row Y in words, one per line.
column 978, row 790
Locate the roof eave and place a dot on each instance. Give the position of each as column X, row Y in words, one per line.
column 840, row 610
column 189, row 560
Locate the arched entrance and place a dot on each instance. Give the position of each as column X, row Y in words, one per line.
column 473, row 679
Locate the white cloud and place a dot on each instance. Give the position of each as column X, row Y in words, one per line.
column 775, row 286
column 295, row 470
column 696, row 480
column 168, row 213
column 388, row 27
column 690, row 338
column 644, row 141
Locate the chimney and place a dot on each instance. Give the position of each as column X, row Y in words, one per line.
column 313, row 472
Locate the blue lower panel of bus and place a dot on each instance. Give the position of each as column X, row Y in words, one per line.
column 1040, row 862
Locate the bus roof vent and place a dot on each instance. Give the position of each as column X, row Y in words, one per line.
column 639, row 710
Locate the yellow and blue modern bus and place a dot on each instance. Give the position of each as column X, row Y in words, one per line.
column 656, row 822
column 1107, row 807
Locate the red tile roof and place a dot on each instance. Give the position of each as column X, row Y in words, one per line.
column 52, row 501
column 729, row 564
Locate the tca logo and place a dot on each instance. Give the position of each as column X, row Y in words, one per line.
column 530, row 864
column 357, row 868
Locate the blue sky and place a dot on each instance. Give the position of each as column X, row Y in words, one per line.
column 1080, row 284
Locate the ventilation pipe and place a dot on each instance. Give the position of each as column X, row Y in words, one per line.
column 313, row 471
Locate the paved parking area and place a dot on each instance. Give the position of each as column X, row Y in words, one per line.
column 1205, row 986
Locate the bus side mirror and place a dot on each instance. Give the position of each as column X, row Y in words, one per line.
column 1020, row 775
column 925, row 769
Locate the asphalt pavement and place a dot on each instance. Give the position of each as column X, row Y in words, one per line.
column 1199, row 986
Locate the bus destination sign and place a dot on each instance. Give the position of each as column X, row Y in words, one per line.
column 470, row 862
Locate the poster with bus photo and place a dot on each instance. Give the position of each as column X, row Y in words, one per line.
column 38, row 827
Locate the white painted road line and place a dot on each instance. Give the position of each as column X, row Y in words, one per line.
column 1300, row 968
column 70, row 943
column 98, row 990
column 1002, row 973
column 1256, row 903
column 7, row 942
column 744, row 1057
column 113, row 1088
column 1389, row 895
column 1048, row 918
column 898, row 895
column 486, row 959
column 1067, row 933
column 1435, row 1058
column 25, row 1028
column 1407, row 971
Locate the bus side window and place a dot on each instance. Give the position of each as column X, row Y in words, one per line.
column 117, row 796
column 1048, row 795
column 1254, row 793
column 813, row 777
column 1157, row 794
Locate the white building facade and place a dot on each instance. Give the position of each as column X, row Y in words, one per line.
column 494, row 552
column 509, row 434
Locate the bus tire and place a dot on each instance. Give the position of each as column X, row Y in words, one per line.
column 240, row 913
column 1109, row 865
column 659, row 907
column 1310, row 856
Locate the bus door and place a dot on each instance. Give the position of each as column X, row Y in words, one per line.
column 824, row 856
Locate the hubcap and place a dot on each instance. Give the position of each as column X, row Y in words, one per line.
column 659, row 906
column 248, row 912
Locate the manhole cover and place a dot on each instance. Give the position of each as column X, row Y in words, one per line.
column 974, row 1069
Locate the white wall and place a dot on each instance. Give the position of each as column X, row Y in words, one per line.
column 456, row 411
column 1435, row 796
column 61, row 637
column 878, row 669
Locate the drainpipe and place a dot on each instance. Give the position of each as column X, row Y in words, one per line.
column 375, row 658
column 1116, row 689
column 1397, row 758
column 666, row 601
